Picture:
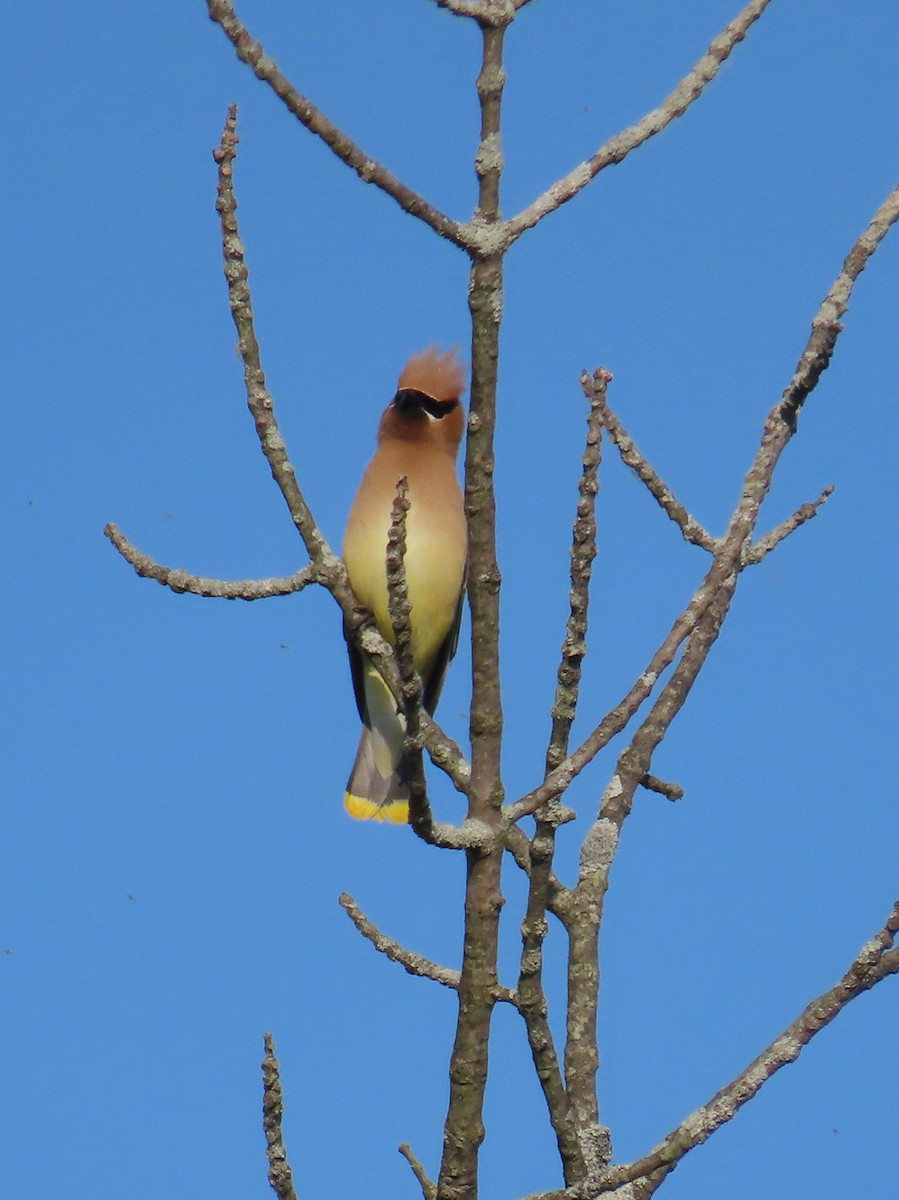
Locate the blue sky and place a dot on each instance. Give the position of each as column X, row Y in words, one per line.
column 172, row 842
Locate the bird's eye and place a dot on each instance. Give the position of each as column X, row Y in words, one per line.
column 409, row 401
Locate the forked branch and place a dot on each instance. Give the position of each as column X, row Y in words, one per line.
column 763, row 547
column 733, row 550
column 876, row 961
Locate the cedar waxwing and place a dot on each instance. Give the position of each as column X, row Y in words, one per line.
column 418, row 437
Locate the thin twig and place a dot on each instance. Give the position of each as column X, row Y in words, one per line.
column 428, row 1188
column 251, row 52
column 415, row 964
column 181, row 581
column 825, row 326
column 690, row 528
column 325, row 567
column 617, row 148
column 772, row 540
column 558, row 780
column 435, row 833
column 280, row 1175
column 400, row 611
column 583, row 552
column 259, row 399
column 633, row 762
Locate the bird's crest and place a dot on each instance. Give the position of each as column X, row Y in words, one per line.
column 440, row 376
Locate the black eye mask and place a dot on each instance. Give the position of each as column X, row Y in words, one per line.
column 408, row 400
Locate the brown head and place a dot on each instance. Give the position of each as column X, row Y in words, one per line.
column 427, row 407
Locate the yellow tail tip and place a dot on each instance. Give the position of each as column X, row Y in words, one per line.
column 396, row 812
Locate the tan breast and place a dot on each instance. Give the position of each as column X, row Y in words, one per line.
column 436, row 543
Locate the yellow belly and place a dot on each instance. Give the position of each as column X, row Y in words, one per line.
column 435, row 567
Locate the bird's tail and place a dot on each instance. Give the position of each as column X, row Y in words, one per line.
column 377, row 788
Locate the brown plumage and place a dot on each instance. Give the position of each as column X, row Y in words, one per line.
column 418, row 437
column 440, row 376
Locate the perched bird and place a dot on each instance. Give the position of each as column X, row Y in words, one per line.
column 418, row 437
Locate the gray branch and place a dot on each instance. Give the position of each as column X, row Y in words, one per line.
column 414, row 964
column 182, row 581
column 280, row 1175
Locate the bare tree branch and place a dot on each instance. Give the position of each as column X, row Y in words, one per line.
column 633, row 763
column 489, row 829
column 279, row 1173
column 541, row 851
column 181, row 581
column 464, row 1125
column 412, row 963
column 559, row 779
column 601, row 844
column 259, row 399
column 532, row 997
column 825, row 326
column 583, row 552
column 251, row 52
column 731, row 551
column 691, row 529
column 428, row 1188
column 617, row 148
column 875, row 962
column 400, row 611
column 435, row 833
column 772, row 540
column 581, row 1039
